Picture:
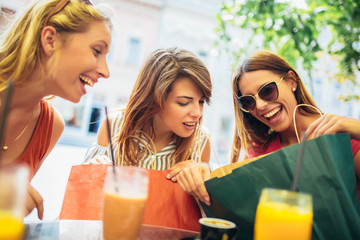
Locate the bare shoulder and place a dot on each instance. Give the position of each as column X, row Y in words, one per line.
column 102, row 135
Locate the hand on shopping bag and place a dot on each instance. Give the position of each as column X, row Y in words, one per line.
column 177, row 168
column 34, row 200
column 331, row 123
column 191, row 180
column 99, row 159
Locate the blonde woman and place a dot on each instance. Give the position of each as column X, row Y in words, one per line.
column 161, row 125
column 55, row 48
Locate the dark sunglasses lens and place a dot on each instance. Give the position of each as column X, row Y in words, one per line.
column 248, row 103
column 269, row 92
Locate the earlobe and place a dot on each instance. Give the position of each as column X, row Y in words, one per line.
column 48, row 38
column 293, row 80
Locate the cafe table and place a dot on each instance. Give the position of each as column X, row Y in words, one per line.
column 92, row 230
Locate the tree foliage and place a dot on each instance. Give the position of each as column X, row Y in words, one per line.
column 294, row 32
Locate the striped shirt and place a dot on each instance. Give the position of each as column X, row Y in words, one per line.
column 159, row 161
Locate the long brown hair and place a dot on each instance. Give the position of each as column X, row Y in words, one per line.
column 155, row 80
column 248, row 129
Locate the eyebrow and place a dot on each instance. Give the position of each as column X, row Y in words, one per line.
column 190, row 98
column 185, row 97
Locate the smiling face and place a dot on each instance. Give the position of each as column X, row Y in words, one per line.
column 182, row 109
column 81, row 61
column 278, row 115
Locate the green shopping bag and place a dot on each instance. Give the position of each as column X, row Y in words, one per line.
column 327, row 174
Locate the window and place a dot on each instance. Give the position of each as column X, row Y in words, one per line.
column 134, row 51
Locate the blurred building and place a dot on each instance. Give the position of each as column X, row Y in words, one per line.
column 140, row 27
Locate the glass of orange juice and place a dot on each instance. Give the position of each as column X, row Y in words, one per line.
column 283, row 214
column 13, row 189
column 126, row 191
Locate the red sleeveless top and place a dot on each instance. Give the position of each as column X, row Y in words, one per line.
column 40, row 140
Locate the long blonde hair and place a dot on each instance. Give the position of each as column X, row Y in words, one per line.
column 248, row 129
column 21, row 50
column 155, row 80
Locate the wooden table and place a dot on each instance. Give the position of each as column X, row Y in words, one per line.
column 92, row 230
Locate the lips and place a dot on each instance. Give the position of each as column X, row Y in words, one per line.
column 272, row 112
column 190, row 125
column 87, row 81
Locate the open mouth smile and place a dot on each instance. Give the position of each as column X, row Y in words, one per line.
column 86, row 80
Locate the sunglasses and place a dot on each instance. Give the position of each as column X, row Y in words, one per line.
column 268, row 92
column 60, row 6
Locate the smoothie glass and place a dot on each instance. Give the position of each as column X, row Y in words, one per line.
column 13, row 189
column 126, row 192
column 283, row 214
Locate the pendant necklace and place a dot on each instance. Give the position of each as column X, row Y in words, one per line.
column 6, row 146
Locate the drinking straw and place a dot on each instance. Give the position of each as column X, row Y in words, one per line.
column 111, row 149
column 110, row 141
column 4, row 114
column 298, row 163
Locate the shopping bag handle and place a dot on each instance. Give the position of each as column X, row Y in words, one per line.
column 294, row 113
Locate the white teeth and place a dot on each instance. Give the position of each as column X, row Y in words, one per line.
column 86, row 80
column 190, row 124
column 272, row 113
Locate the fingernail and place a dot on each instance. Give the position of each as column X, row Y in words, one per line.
column 174, row 179
column 168, row 176
column 207, row 201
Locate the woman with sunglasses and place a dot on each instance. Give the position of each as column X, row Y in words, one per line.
column 272, row 110
column 55, row 48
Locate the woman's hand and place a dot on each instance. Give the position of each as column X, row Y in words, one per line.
column 191, row 180
column 99, row 159
column 331, row 123
column 177, row 168
column 34, row 200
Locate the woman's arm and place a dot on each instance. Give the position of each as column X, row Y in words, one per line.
column 192, row 176
column 331, row 123
column 102, row 135
column 34, row 199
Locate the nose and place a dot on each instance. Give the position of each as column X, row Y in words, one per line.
column 196, row 111
column 103, row 69
column 260, row 103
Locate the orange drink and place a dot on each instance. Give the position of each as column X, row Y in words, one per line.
column 11, row 227
column 13, row 189
column 283, row 214
column 124, row 202
column 122, row 216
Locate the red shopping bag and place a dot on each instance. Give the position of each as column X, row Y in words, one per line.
column 167, row 205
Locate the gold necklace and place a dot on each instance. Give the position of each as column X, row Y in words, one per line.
column 6, row 146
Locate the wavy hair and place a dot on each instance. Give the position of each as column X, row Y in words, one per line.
column 21, row 50
column 155, row 80
column 248, row 129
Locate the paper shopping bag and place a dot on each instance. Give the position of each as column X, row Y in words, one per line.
column 327, row 173
column 167, row 205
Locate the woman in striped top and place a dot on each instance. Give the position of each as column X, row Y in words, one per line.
column 161, row 126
